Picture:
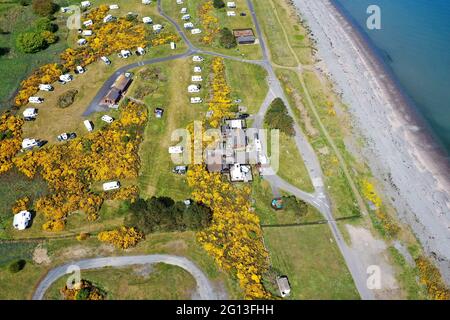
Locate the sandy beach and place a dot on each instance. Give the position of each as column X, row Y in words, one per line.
column 400, row 150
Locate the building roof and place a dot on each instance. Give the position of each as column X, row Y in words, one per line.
column 246, row 39
column 112, row 96
column 243, row 33
column 122, row 83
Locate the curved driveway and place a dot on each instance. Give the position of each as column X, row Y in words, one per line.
column 204, row 287
column 319, row 198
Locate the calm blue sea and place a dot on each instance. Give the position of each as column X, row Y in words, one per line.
column 414, row 41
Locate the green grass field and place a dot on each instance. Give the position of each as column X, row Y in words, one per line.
column 155, row 282
column 262, row 195
column 21, row 285
column 312, row 262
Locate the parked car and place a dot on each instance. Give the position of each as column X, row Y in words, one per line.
column 66, row 136
column 106, row 60
column 107, row 119
column 79, row 70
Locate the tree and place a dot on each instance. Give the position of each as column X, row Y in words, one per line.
column 227, row 39
column 43, row 7
column 30, row 42
column 45, row 24
column 277, row 117
column 219, row 4
column 17, row 266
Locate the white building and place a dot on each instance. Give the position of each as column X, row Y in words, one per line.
column 88, row 23
column 85, row 4
column 157, row 27
column 196, row 100
column 189, row 25
column 30, row 113
column 194, row 88
column 176, row 150
column 29, row 143
column 112, row 185
column 108, row 18
column 37, row 100
column 45, row 87
column 22, row 220
column 66, row 77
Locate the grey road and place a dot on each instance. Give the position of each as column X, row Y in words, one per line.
column 319, row 198
column 205, row 290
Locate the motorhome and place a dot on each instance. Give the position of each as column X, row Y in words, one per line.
column 89, row 126
column 37, row 100
column 112, row 185
column 45, row 87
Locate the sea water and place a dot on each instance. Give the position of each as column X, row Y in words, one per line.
column 414, row 42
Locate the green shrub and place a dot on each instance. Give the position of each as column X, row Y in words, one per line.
column 17, row 266
column 67, row 98
column 30, row 42
column 219, row 4
column 277, row 117
column 227, row 39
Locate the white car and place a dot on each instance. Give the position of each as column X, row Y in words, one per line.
column 66, row 77
column 88, row 125
column 157, row 27
column 106, row 60
column 125, row 54
column 186, row 17
column 196, row 31
column 179, row 1
column 113, row 185
column 197, row 59
column 196, row 100
column 146, row 2
column 37, row 100
column 231, row 13
column 45, row 87
column 140, row 51
column 189, row 25
column 147, row 20
column 183, row 10
column 107, row 119
column 80, row 69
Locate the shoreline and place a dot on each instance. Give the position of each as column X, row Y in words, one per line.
column 401, row 148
